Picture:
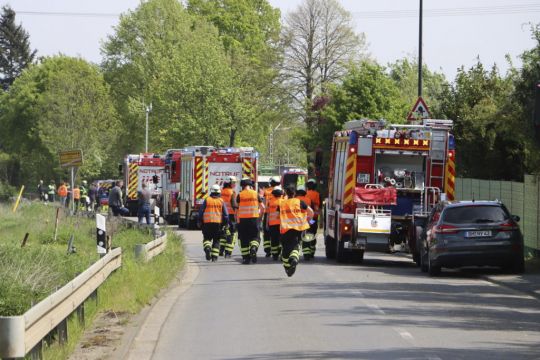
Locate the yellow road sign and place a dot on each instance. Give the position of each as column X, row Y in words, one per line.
column 71, row 158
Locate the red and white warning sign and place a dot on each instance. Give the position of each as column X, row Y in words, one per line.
column 419, row 111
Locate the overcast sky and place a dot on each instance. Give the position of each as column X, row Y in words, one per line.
column 455, row 32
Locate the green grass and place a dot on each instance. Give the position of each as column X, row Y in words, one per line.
column 31, row 273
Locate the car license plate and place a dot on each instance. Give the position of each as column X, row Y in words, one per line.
column 483, row 233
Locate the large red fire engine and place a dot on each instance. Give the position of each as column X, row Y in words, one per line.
column 191, row 171
column 143, row 168
column 383, row 181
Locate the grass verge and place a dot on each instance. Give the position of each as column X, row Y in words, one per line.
column 31, row 273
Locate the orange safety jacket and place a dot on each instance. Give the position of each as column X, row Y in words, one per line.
column 292, row 216
column 305, row 199
column 213, row 213
column 226, row 195
column 273, row 213
column 62, row 191
column 315, row 201
column 248, row 207
column 267, row 196
column 76, row 194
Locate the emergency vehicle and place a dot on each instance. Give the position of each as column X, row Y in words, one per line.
column 383, row 181
column 199, row 167
column 143, row 168
column 294, row 176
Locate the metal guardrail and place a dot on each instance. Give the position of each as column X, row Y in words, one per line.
column 20, row 334
column 149, row 250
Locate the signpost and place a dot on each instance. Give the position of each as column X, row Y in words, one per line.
column 419, row 111
column 72, row 159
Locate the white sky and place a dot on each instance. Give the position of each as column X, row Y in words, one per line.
column 391, row 33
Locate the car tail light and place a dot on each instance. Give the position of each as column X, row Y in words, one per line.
column 508, row 226
column 445, row 229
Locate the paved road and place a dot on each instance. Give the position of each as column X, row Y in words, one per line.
column 383, row 309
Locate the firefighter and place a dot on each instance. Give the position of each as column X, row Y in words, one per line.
column 85, row 201
column 274, row 181
column 315, row 197
column 228, row 194
column 63, row 193
column 306, row 238
column 51, row 191
column 76, row 197
column 294, row 215
column 213, row 213
column 250, row 207
column 272, row 221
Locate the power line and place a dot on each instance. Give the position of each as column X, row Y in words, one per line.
column 468, row 11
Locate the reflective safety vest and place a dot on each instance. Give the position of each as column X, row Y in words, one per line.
column 76, row 194
column 292, row 216
column 226, row 195
column 304, row 199
column 213, row 213
column 273, row 213
column 249, row 204
column 51, row 189
column 267, row 196
column 62, row 191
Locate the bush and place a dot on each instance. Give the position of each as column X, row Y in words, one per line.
column 6, row 191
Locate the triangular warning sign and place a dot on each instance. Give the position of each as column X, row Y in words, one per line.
column 419, row 111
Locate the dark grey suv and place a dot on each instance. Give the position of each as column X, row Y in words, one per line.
column 471, row 233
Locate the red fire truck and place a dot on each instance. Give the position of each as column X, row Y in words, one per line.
column 191, row 171
column 384, row 179
column 143, row 168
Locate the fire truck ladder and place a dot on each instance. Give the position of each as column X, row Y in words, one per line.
column 437, row 153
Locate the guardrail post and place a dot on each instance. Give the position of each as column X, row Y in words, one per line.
column 94, row 296
column 37, row 351
column 62, row 330
column 80, row 313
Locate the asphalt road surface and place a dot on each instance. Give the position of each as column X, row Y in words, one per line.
column 384, row 308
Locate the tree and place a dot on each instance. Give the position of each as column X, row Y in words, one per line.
column 60, row 104
column 319, row 42
column 405, row 73
column 162, row 54
column 15, row 53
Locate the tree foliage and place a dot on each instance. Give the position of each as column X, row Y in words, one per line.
column 15, row 53
column 60, row 104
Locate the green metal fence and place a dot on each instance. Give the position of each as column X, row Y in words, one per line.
column 521, row 199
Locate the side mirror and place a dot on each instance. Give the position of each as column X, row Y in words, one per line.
column 515, row 218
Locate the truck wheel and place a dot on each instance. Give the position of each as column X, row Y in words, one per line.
column 416, row 258
column 358, row 256
column 330, row 247
column 340, row 252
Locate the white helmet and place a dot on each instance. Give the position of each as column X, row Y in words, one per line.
column 278, row 188
column 232, row 179
column 301, row 188
column 275, row 179
column 215, row 189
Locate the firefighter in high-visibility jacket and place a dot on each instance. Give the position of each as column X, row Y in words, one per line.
column 267, row 243
column 213, row 213
column 250, row 208
column 315, row 198
column 228, row 194
column 294, row 215
column 272, row 221
column 307, row 239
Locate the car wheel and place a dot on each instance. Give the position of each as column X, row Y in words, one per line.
column 423, row 261
column 518, row 267
column 433, row 270
column 416, row 258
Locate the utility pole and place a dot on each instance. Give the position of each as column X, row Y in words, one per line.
column 148, row 109
column 420, row 51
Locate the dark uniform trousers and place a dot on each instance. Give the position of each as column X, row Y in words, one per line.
column 248, row 233
column 227, row 238
column 211, row 236
column 290, row 247
column 273, row 231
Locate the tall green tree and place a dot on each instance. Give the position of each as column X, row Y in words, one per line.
column 161, row 54
column 15, row 52
column 60, row 104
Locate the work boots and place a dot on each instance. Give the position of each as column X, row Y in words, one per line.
column 207, row 253
column 253, row 254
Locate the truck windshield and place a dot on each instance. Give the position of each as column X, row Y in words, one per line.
column 294, row 179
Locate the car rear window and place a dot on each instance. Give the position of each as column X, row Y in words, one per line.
column 474, row 214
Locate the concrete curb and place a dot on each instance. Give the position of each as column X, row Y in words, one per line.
column 142, row 345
